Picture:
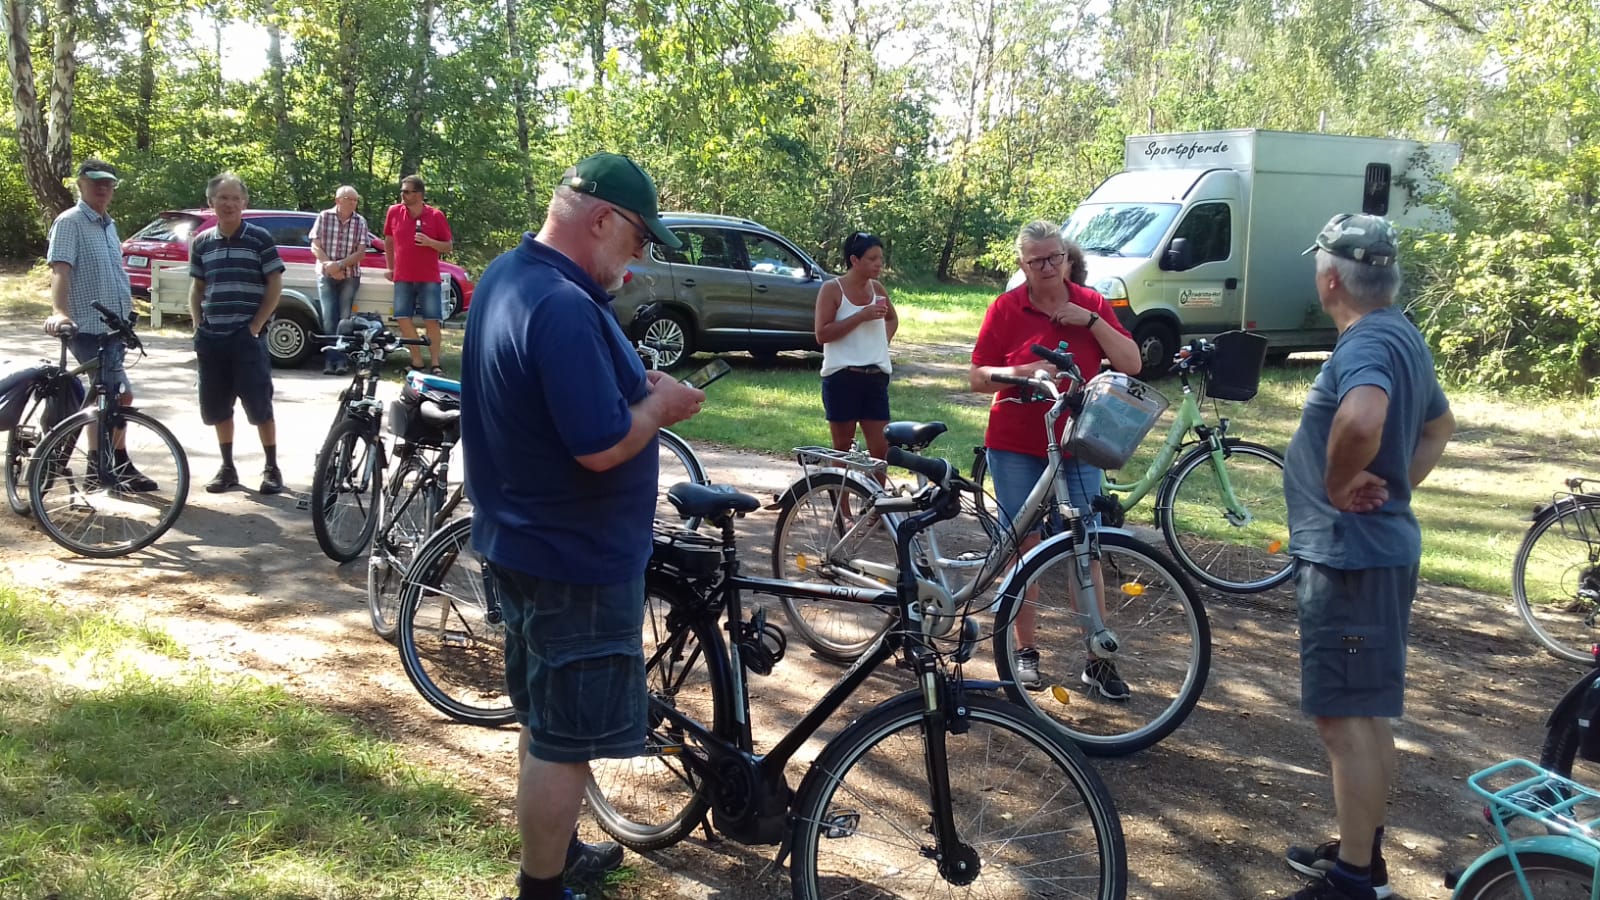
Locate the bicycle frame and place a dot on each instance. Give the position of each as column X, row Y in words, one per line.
column 1548, row 800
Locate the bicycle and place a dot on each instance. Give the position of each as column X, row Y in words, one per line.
column 40, row 397
column 1558, row 864
column 1152, row 620
column 1220, row 505
column 1555, row 577
column 933, row 789
column 89, row 496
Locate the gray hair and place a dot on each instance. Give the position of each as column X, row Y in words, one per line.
column 225, row 178
column 1037, row 230
column 567, row 204
column 346, row 190
column 1371, row 287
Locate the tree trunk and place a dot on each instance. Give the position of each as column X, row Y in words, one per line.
column 516, row 62
column 417, row 100
column 284, row 138
column 45, row 183
column 63, row 76
column 349, row 80
column 599, row 13
column 147, row 80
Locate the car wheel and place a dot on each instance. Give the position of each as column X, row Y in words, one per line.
column 289, row 339
column 766, row 359
column 452, row 300
column 1157, row 342
column 670, row 337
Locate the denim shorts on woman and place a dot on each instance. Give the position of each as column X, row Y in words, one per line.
column 574, row 664
column 1015, row 474
column 1354, row 631
column 853, row 396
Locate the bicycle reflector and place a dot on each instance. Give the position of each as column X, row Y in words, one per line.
column 800, row 562
column 1062, row 695
column 1132, row 589
column 1274, row 546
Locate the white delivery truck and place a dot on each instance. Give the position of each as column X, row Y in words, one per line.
column 1202, row 233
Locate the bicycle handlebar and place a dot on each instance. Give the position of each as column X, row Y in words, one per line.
column 121, row 327
column 938, row 471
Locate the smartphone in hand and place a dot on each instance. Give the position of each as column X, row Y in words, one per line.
column 707, row 373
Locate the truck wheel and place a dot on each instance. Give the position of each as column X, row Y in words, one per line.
column 289, row 339
column 1157, row 342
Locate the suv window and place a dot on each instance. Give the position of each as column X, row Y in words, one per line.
column 768, row 257
column 286, row 231
column 710, row 247
column 1209, row 228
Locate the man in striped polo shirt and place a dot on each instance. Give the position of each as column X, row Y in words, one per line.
column 237, row 279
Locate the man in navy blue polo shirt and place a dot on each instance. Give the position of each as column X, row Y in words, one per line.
column 559, row 422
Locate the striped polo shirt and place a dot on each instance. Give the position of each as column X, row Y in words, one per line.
column 234, row 269
column 87, row 241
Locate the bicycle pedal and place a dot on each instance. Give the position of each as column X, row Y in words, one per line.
column 304, row 503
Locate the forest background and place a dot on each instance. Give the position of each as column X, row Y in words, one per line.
column 940, row 125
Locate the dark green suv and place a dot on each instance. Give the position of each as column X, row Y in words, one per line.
column 734, row 285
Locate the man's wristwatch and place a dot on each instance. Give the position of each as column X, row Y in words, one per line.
column 1093, row 318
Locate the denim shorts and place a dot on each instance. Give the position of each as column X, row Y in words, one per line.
column 1354, row 632
column 1015, row 474
column 574, row 664
column 850, row 396
column 408, row 295
column 85, row 347
column 234, row 365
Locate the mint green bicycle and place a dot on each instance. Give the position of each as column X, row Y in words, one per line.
column 1219, row 505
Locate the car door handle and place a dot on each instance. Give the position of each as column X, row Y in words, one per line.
column 1231, row 283
column 762, row 288
column 688, row 282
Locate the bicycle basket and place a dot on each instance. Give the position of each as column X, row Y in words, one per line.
column 15, row 388
column 406, row 421
column 1234, row 371
column 684, row 552
column 1118, row 411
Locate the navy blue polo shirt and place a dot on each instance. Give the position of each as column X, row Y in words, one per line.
column 546, row 376
column 234, row 268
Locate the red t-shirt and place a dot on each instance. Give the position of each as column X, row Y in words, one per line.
column 411, row 262
column 1010, row 329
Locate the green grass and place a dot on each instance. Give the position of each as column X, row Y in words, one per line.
column 116, row 783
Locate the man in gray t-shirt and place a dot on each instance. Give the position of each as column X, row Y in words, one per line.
column 1373, row 427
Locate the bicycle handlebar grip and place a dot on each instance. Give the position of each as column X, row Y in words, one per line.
column 1000, row 378
column 414, row 342
column 934, row 469
column 66, row 331
column 1062, row 361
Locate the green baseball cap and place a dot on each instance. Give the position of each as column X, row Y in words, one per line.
column 618, row 180
column 1369, row 240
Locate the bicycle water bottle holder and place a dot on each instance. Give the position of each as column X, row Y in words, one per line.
column 1559, row 805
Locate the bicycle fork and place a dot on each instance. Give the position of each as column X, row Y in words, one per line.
column 944, row 713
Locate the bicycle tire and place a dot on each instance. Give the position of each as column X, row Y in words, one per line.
column 678, row 463
column 1030, row 800
column 21, row 441
column 805, row 539
column 452, row 639
column 1555, row 578
column 1232, row 557
column 344, row 489
column 1553, row 877
column 654, row 800
column 90, row 520
column 406, row 514
column 1164, row 637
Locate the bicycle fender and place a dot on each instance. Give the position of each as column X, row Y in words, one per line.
column 1551, row 844
column 1568, row 706
column 801, row 484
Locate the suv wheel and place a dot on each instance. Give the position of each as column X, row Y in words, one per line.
column 669, row 335
column 289, row 339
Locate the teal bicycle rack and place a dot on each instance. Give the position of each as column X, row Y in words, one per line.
column 1562, row 861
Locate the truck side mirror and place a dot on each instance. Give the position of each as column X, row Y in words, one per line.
column 1179, row 257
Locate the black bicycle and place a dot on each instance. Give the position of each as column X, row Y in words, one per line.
column 108, row 480
column 935, row 789
column 39, row 397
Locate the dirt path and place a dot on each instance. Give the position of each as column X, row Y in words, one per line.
column 242, row 584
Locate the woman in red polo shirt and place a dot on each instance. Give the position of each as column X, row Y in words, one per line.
column 1047, row 308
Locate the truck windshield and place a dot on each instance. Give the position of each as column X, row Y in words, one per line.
column 1119, row 229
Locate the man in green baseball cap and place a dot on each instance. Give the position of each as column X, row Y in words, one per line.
column 619, row 181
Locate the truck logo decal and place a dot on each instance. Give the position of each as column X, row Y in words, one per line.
column 1185, row 151
column 1197, row 298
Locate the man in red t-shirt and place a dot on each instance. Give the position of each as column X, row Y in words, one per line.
column 414, row 236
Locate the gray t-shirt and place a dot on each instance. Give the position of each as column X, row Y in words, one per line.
column 1385, row 350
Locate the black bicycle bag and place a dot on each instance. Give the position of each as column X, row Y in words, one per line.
column 425, row 415
column 15, row 387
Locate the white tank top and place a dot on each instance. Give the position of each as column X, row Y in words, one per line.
column 865, row 345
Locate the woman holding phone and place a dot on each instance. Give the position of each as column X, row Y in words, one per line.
column 855, row 322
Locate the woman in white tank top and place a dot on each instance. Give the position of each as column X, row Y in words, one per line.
column 855, row 323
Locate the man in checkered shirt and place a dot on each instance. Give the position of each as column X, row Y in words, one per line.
column 339, row 240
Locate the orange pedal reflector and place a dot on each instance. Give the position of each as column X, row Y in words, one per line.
column 1275, row 547
column 1133, row 589
column 1062, row 695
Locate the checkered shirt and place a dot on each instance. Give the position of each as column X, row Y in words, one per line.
column 340, row 239
column 87, row 241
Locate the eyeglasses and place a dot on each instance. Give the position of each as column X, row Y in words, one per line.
column 1038, row 263
column 409, row 191
column 645, row 237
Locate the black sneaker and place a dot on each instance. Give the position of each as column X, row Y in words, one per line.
column 226, row 478
column 134, row 481
column 1318, row 862
column 1026, row 670
column 1321, row 889
column 1101, row 676
column 589, row 863
column 271, row 480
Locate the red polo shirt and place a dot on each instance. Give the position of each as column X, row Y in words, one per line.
column 411, row 262
column 1010, row 328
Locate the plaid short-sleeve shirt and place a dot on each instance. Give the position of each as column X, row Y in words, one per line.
column 87, row 241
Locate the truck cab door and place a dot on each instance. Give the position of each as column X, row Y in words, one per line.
column 1201, row 266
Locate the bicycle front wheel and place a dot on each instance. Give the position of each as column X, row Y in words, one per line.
column 344, row 490
column 108, row 504
column 1163, row 645
column 655, row 800
column 452, row 636
column 406, row 513
column 824, row 535
column 1027, row 805
column 1555, row 578
column 1551, row 877
column 1238, row 551
column 678, row 464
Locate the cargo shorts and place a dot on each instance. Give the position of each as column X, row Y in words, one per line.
column 1354, row 635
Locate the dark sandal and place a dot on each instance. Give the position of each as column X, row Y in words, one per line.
column 436, row 370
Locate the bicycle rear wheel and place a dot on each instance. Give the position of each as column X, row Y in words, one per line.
column 452, row 636
column 654, row 800
column 1233, row 554
column 406, row 514
column 89, row 502
column 1037, row 817
column 1555, row 578
column 1551, row 877
column 820, row 537
column 1164, row 645
column 21, row 441
column 345, row 488
column 678, row 464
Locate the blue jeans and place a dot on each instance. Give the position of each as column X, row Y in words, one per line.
column 336, row 299
column 413, row 298
column 1015, row 474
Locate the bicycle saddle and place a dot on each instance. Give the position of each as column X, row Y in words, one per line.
column 435, row 416
column 913, row 436
column 709, row 501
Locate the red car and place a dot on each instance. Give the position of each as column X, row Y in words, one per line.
column 167, row 238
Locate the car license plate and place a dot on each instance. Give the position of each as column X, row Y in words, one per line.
column 138, row 262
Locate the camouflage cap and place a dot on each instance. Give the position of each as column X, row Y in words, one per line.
column 1370, row 240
